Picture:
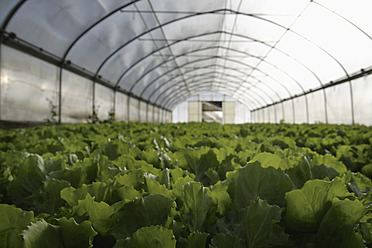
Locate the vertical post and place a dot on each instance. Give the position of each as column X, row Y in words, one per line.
column 1, row 78
column 147, row 112
column 307, row 109
column 114, row 102
column 128, row 108
column 139, row 110
column 325, row 106
column 352, row 103
column 60, row 94
column 293, row 111
column 94, row 114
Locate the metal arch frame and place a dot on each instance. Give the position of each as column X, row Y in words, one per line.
column 73, row 44
column 173, row 21
column 175, row 100
column 157, row 50
column 17, row 7
column 211, row 12
column 281, row 70
column 12, row 13
column 204, row 75
column 173, row 58
column 248, row 55
column 21, row 3
column 203, row 88
column 205, row 67
column 3, row 27
column 285, row 88
column 201, row 84
column 248, row 66
column 284, row 72
column 92, row 26
column 200, row 89
column 164, row 35
column 199, row 60
column 236, row 12
column 287, row 55
column 177, row 90
column 197, row 14
column 104, row 19
column 215, row 32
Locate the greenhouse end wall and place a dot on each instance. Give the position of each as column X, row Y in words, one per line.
column 30, row 92
column 345, row 103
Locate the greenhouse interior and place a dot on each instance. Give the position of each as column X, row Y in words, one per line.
column 186, row 124
column 285, row 61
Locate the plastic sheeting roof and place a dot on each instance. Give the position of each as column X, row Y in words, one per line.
column 164, row 51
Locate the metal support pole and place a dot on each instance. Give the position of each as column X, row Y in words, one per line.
column 147, row 112
column 60, row 95
column 352, row 104
column 94, row 113
column 293, row 111
column 307, row 109
column 325, row 106
column 128, row 108
column 114, row 103
column 1, row 79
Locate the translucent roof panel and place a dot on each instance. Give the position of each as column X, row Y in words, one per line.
column 260, row 52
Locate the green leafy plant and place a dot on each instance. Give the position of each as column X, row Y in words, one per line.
column 109, row 184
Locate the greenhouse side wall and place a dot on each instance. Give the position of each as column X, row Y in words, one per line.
column 345, row 103
column 30, row 92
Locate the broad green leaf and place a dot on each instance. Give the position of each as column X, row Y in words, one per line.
column 164, row 178
column 336, row 228
column 130, row 163
column 223, row 152
column 114, row 149
column 251, row 181
column 100, row 192
column 154, row 237
column 207, row 161
column 76, row 235
column 220, row 197
column 304, row 171
column 154, row 187
column 197, row 239
column 306, row 207
column 99, row 213
column 125, row 192
column 50, row 193
column 198, row 202
column 361, row 181
column 345, row 237
column 29, row 177
column 259, row 221
column 267, row 160
column 12, row 222
column 124, row 243
column 366, row 231
column 329, row 161
column 154, row 209
column 42, row 234
column 322, row 171
column 132, row 178
column 222, row 240
column 178, row 186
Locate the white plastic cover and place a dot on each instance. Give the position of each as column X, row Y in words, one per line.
column 261, row 52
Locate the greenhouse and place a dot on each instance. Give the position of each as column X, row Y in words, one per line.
column 291, row 61
column 185, row 124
